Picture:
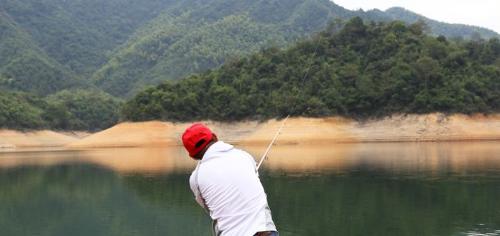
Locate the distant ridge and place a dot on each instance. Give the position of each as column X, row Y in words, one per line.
column 441, row 28
column 361, row 71
column 25, row 66
column 175, row 45
column 123, row 46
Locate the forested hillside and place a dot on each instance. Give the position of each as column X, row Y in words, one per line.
column 459, row 31
column 195, row 36
column 365, row 70
column 52, row 49
column 66, row 110
column 125, row 45
column 26, row 67
column 80, row 33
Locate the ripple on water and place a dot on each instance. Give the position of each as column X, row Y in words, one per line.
column 482, row 230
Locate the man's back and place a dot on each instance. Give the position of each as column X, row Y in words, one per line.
column 231, row 189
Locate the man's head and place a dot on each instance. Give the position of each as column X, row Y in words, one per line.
column 197, row 139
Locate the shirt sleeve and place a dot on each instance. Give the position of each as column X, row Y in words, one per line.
column 196, row 190
column 252, row 161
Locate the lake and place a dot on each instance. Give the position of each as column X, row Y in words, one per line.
column 340, row 189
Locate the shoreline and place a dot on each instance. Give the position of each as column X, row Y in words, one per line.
column 15, row 140
column 433, row 127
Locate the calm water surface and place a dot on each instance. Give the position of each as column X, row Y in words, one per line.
column 351, row 189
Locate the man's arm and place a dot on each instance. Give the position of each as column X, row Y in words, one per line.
column 251, row 160
column 196, row 191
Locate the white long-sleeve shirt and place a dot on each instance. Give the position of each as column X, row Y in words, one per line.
column 226, row 182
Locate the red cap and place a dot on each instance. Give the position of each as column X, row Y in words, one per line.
column 196, row 138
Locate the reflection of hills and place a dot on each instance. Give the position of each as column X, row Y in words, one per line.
column 123, row 160
column 357, row 190
column 366, row 204
column 397, row 158
column 76, row 199
column 142, row 160
column 167, row 191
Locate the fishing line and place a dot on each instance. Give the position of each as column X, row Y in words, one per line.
column 271, row 144
column 306, row 74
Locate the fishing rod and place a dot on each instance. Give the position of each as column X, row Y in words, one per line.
column 271, row 144
column 306, row 74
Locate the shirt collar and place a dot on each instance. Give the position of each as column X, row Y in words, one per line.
column 216, row 149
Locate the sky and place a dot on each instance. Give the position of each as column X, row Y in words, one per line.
column 485, row 13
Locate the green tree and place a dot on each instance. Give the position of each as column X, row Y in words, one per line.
column 364, row 70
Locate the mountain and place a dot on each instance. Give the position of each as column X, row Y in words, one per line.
column 195, row 36
column 51, row 45
column 362, row 71
column 122, row 46
column 56, row 56
column 80, row 33
column 66, row 110
column 26, row 67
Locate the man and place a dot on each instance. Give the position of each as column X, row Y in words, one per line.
column 226, row 183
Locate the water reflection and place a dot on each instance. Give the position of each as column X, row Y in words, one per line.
column 397, row 158
column 349, row 189
column 84, row 199
column 123, row 160
column 482, row 232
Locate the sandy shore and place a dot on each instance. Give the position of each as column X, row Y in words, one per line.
column 400, row 128
column 10, row 139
